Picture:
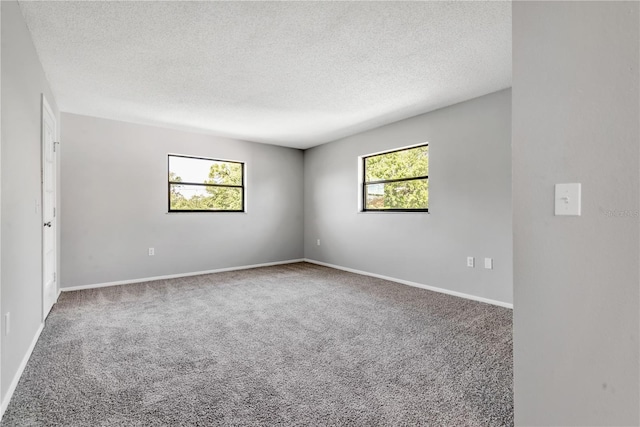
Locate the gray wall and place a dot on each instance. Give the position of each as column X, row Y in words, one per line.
column 469, row 202
column 23, row 82
column 576, row 119
column 114, row 199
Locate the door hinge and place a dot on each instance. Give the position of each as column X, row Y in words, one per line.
column 54, row 212
column 54, row 276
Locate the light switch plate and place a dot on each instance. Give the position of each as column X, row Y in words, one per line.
column 488, row 263
column 568, row 199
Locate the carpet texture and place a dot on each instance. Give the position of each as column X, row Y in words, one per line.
column 297, row 344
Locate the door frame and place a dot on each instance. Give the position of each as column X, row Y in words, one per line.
column 47, row 110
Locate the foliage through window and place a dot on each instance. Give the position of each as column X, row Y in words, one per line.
column 396, row 180
column 205, row 185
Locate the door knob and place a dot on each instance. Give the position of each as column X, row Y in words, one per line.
column 47, row 224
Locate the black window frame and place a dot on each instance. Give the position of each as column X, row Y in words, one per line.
column 384, row 181
column 242, row 186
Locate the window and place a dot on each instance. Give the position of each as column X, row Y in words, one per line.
column 205, row 185
column 396, row 180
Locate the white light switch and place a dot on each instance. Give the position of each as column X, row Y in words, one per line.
column 568, row 199
column 488, row 263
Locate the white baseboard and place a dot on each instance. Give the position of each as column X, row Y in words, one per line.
column 267, row 264
column 16, row 377
column 414, row 284
column 175, row 276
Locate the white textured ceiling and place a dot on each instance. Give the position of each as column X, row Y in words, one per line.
column 296, row 74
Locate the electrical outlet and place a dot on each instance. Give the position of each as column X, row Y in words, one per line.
column 7, row 323
column 152, row 251
column 471, row 261
column 488, row 263
column 318, row 242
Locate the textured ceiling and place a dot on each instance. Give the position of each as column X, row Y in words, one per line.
column 296, row 74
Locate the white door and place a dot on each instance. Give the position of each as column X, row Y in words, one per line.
column 49, row 256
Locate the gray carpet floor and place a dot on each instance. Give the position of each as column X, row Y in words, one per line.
column 297, row 344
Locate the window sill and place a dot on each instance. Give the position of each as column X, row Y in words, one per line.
column 204, row 212
column 393, row 212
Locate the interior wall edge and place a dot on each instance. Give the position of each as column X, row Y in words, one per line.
column 23, row 84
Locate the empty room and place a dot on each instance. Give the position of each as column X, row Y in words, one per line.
column 320, row 213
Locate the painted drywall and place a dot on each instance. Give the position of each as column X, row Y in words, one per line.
column 469, row 202
column 1, row 334
column 23, row 83
column 114, row 199
column 576, row 279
